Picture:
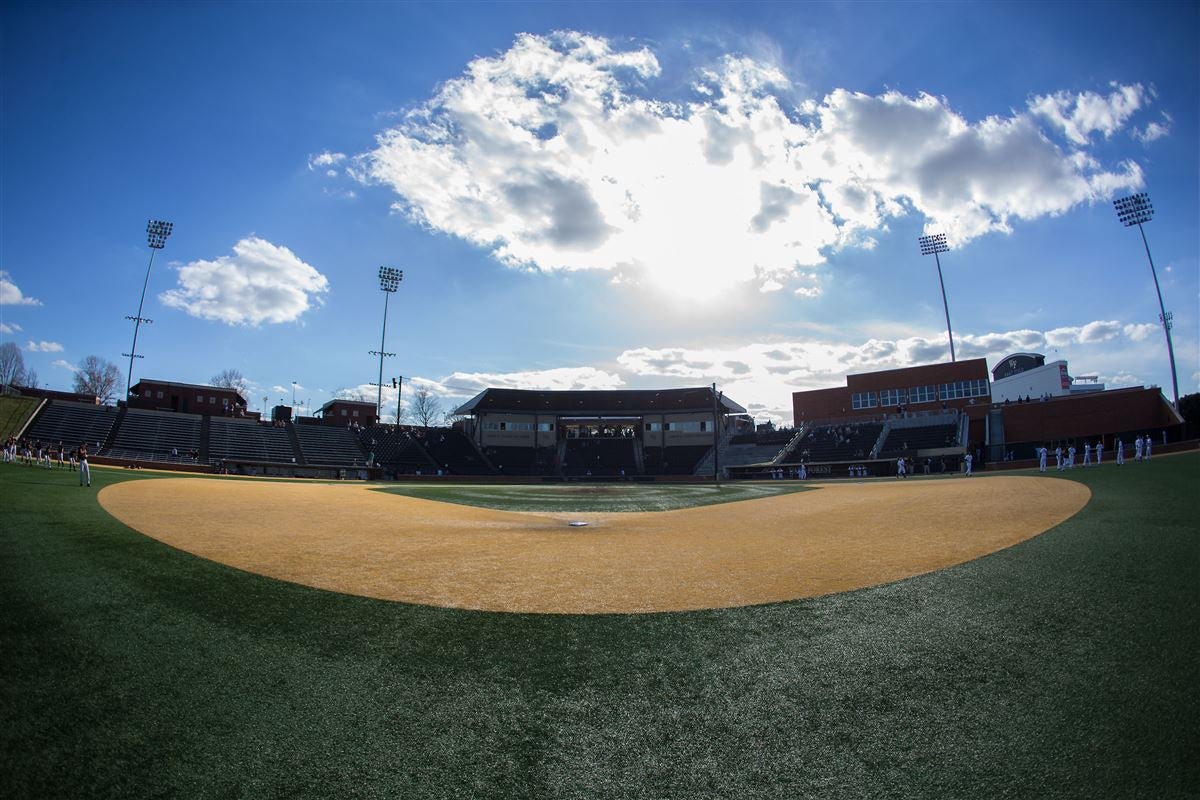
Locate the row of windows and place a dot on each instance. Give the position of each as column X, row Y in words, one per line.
column 920, row 394
column 517, row 426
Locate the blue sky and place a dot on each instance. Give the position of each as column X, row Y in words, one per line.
column 596, row 195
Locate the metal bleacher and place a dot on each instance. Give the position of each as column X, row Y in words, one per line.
column 248, row 440
column 330, row 445
column 152, row 436
column 72, row 423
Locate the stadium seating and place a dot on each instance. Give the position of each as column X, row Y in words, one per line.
column 836, row 442
column 397, row 449
column 454, row 452
column 330, row 445
column 905, row 440
column 73, row 423
column 679, row 460
column 145, row 435
column 523, row 460
column 231, row 439
column 599, row 456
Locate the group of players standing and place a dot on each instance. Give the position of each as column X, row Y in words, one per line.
column 1064, row 460
column 44, row 454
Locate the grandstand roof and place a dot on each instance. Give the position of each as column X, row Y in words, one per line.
column 591, row 403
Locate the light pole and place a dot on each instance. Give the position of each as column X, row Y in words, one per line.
column 1134, row 210
column 389, row 281
column 937, row 244
column 293, row 394
column 157, row 232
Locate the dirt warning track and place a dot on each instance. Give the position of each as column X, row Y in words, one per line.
column 351, row 539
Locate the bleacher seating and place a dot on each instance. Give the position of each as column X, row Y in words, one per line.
column 838, row 442
column 330, row 444
column 904, row 440
column 736, row 455
column 146, row 435
column 73, row 423
column 231, row 439
column 454, row 452
column 396, row 448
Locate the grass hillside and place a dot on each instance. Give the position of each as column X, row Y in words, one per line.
column 14, row 411
column 1067, row 666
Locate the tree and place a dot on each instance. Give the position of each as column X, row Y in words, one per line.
column 12, row 364
column 28, row 378
column 425, row 407
column 98, row 377
column 231, row 379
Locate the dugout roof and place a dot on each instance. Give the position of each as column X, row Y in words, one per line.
column 597, row 403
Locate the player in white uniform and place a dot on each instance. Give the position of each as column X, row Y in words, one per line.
column 85, row 473
column 1041, row 454
column 1099, row 452
column 970, row 459
column 1137, row 448
column 1071, row 457
column 1120, row 453
column 901, row 469
column 1146, row 447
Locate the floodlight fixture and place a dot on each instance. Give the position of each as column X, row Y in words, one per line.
column 157, row 231
column 389, row 282
column 389, row 278
column 1135, row 210
column 932, row 245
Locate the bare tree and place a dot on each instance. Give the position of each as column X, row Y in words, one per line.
column 12, row 364
column 28, row 378
column 98, row 377
column 425, row 407
column 231, row 379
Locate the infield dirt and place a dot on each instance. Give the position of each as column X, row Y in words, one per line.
column 349, row 538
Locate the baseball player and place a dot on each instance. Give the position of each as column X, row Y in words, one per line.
column 85, row 474
column 970, row 459
column 1041, row 453
column 1146, row 447
column 1071, row 457
column 901, row 469
column 1087, row 454
column 1120, row 453
column 1099, row 452
column 1137, row 448
column 1058, row 458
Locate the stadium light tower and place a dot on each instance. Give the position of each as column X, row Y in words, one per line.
column 157, row 232
column 389, row 282
column 937, row 244
column 1134, row 210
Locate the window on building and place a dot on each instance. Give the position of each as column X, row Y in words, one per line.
column 654, row 427
column 891, row 397
column 343, row 412
column 864, row 400
column 159, row 395
column 212, row 400
column 199, row 398
column 922, row 394
column 545, row 426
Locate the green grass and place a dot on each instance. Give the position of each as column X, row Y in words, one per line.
column 1066, row 666
column 14, row 411
column 612, row 497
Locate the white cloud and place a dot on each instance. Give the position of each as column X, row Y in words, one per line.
column 326, row 160
column 261, row 282
column 555, row 155
column 43, row 347
column 10, row 295
column 467, row 384
column 1139, row 331
column 1080, row 115
column 1153, row 130
column 9, row 328
column 63, row 364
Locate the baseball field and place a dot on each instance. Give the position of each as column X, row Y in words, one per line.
column 1003, row 636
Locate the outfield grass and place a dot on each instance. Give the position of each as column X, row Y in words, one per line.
column 1066, row 666
column 610, row 497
